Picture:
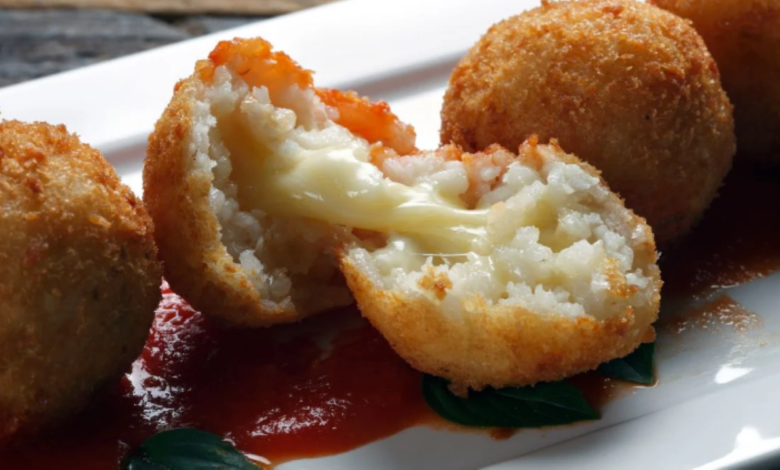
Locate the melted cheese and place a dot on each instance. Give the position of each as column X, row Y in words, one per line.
column 336, row 184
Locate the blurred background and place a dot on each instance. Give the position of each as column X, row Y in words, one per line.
column 43, row 37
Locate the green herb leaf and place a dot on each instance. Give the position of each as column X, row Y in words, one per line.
column 546, row 404
column 188, row 449
column 636, row 367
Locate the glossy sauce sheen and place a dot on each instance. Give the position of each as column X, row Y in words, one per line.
column 280, row 394
column 273, row 393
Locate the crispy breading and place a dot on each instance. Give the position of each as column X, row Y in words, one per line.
column 498, row 345
column 196, row 263
column 744, row 38
column 623, row 85
column 79, row 276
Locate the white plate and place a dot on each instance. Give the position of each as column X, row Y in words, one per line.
column 715, row 405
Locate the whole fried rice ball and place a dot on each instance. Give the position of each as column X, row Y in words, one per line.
column 487, row 268
column 744, row 38
column 79, row 278
column 623, row 85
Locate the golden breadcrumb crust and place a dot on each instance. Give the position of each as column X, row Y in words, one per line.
column 498, row 345
column 623, row 85
column 79, row 276
column 196, row 263
column 744, row 38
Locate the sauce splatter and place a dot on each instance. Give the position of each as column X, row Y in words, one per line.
column 715, row 315
column 278, row 394
column 737, row 241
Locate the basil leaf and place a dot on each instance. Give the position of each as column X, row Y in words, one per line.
column 552, row 403
column 546, row 404
column 188, row 449
column 636, row 367
column 438, row 396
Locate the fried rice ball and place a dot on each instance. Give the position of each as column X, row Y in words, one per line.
column 241, row 266
column 79, row 278
column 744, row 38
column 626, row 86
column 561, row 278
column 488, row 268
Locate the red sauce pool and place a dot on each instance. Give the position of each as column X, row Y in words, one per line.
column 273, row 393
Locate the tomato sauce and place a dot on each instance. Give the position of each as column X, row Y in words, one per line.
column 737, row 241
column 275, row 394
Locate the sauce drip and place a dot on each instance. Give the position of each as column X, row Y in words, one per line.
column 599, row 389
column 275, row 393
column 737, row 241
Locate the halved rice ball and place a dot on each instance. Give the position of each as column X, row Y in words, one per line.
column 236, row 263
column 561, row 278
column 488, row 268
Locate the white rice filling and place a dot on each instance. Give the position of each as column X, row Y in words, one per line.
column 553, row 236
column 551, row 240
column 284, row 258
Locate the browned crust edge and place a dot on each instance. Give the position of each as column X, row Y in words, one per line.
column 498, row 345
column 196, row 263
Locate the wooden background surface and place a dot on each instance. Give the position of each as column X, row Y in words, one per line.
column 35, row 42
